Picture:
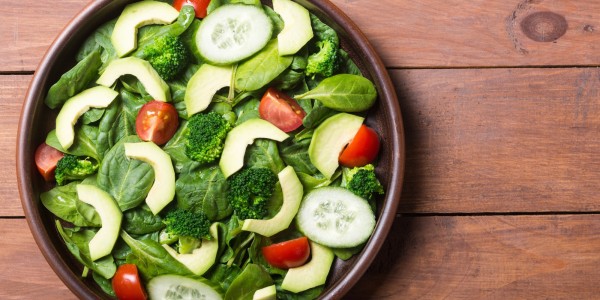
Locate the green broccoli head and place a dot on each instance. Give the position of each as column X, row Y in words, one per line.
column 71, row 167
column 205, row 136
column 168, row 55
column 325, row 61
column 249, row 192
column 185, row 223
column 363, row 182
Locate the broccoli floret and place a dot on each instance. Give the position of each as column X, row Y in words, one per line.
column 363, row 182
column 325, row 61
column 168, row 55
column 205, row 136
column 71, row 167
column 186, row 223
column 249, row 192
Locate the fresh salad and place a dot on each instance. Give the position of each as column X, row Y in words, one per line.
column 211, row 150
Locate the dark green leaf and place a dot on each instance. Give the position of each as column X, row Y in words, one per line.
column 141, row 220
column 295, row 154
column 63, row 202
column 344, row 92
column 127, row 180
column 74, row 80
column 262, row 68
column 84, row 143
column 264, row 153
column 204, row 190
column 252, row 278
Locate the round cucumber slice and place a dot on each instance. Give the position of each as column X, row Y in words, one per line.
column 232, row 33
column 335, row 217
column 180, row 287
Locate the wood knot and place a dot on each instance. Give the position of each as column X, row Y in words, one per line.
column 544, row 26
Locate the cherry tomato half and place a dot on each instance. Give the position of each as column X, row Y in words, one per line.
column 362, row 149
column 288, row 254
column 281, row 110
column 126, row 283
column 157, row 121
column 46, row 159
column 199, row 6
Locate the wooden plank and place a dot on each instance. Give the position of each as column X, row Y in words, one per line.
column 29, row 27
column 501, row 140
column 12, row 94
column 429, row 33
column 26, row 274
column 442, row 33
column 487, row 257
column 479, row 257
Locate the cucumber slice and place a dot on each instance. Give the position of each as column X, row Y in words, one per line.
column 232, row 33
column 181, row 287
column 335, row 217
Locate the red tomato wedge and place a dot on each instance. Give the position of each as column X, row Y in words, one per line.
column 126, row 283
column 281, row 110
column 199, row 6
column 157, row 122
column 46, row 159
column 288, row 254
column 362, row 150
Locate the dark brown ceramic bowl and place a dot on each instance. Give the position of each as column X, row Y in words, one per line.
column 37, row 120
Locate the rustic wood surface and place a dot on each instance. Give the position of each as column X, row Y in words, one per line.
column 502, row 114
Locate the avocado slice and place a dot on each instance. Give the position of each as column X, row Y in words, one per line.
column 162, row 191
column 204, row 85
column 232, row 158
column 330, row 138
column 103, row 242
column 201, row 259
column 76, row 106
column 297, row 30
column 142, row 70
column 292, row 196
column 312, row 274
column 136, row 15
column 266, row 293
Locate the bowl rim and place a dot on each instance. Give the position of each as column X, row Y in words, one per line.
column 386, row 94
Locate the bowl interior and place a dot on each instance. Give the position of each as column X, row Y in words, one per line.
column 37, row 120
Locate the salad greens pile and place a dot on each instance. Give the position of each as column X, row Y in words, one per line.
column 324, row 81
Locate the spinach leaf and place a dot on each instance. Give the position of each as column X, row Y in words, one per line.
column 275, row 19
column 141, row 220
column 84, row 143
column 127, row 180
column 317, row 115
column 204, row 190
column 311, row 182
column 175, row 147
column 321, row 30
column 103, row 141
column 246, row 111
column 124, row 125
column 92, row 116
column 347, row 65
column 252, row 278
column 295, row 154
column 63, row 202
column 77, row 242
column 104, row 284
column 100, row 40
column 74, row 81
column 223, row 274
column 262, row 68
column 178, row 87
column 344, row 92
column 264, row 153
column 152, row 259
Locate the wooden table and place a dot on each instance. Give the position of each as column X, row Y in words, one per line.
column 502, row 114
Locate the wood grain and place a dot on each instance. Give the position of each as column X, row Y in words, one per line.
column 12, row 94
column 479, row 257
column 487, row 257
column 29, row 27
column 456, row 33
column 407, row 34
column 501, row 140
column 25, row 273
